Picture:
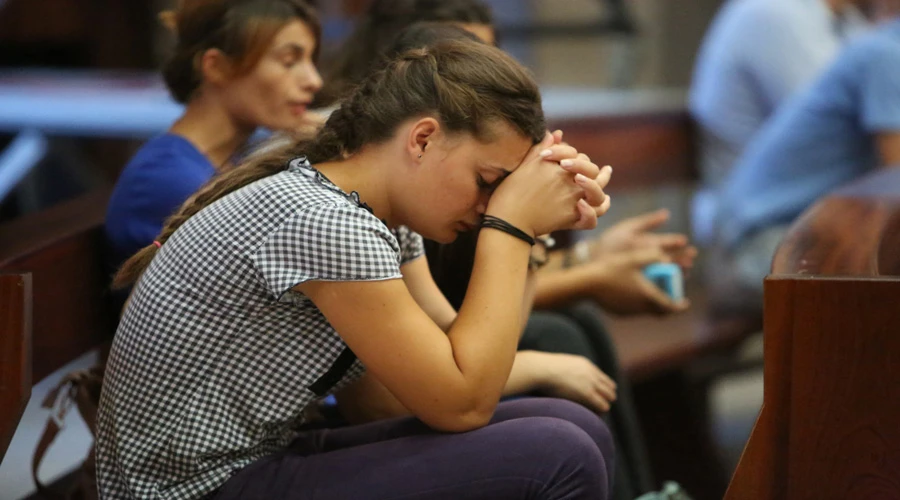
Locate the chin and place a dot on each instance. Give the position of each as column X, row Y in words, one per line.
column 444, row 237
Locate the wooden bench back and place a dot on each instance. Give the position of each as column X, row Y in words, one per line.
column 54, row 299
column 828, row 427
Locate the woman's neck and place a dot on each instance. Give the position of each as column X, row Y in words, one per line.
column 214, row 132
column 366, row 173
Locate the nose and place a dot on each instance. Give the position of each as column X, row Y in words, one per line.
column 310, row 79
column 481, row 206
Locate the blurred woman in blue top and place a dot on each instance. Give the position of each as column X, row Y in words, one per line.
column 237, row 65
column 842, row 127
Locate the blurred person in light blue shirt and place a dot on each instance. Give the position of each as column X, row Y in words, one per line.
column 756, row 55
column 843, row 126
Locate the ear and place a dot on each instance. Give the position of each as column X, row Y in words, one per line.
column 215, row 67
column 421, row 134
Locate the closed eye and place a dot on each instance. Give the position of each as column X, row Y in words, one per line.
column 290, row 54
column 486, row 185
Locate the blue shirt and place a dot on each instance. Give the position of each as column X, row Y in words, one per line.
column 755, row 56
column 818, row 141
column 164, row 173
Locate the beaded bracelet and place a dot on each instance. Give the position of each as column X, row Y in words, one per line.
column 489, row 221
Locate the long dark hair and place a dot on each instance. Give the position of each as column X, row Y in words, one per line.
column 464, row 84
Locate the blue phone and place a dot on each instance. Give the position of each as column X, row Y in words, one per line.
column 668, row 277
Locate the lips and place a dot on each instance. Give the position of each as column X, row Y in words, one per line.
column 297, row 108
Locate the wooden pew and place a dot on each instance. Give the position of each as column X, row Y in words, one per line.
column 54, row 304
column 829, row 423
column 15, row 352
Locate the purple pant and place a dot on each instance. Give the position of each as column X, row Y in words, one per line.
column 535, row 448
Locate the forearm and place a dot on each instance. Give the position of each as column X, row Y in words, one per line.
column 367, row 400
column 527, row 373
column 488, row 326
column 530, row 291
column 556, row 288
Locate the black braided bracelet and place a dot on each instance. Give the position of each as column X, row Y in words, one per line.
column 492, row 222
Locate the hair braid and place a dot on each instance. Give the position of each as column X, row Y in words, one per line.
column 463, row 84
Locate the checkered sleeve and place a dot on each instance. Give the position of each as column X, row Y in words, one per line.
column 411, row 244
column 327, row 242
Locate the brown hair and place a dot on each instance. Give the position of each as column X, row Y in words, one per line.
column 466, row 85
column 241, row 29
column 425, row 34
column 362, row 52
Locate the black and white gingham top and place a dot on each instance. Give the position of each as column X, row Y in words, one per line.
column 216, row 358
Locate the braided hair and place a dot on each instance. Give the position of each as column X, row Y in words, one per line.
column 464, row 84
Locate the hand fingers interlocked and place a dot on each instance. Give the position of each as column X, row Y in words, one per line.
column 587, row 175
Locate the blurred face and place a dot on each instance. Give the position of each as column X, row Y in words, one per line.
column 485, row 32
column 459, row 175
column 276, row 92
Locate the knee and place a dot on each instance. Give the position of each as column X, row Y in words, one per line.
column 575, row 466
column 572, row 412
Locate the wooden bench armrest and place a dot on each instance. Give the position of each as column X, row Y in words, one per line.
column 15, row 352
column 828, row 423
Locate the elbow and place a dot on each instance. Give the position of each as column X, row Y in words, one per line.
column 463, row 420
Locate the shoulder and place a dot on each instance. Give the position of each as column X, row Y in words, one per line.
column 318, row 210
column 168, row 158
column 882, row 44
column 867, row 59
column 336, row 220
column 781, row 12
column 412, row 245
column 741, row 26
column 329, row 240
column 164, row 172
column 759, row 15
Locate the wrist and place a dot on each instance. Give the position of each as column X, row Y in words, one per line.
column 533, row 369
column 543, row 374
column 512, row 217
column 497, row 223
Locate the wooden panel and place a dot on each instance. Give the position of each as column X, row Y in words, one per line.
column 95, row 33
column 51, row 20
column 15, row 352
column 766, row 451
column 828, row 426
column 645, row 150
column 62, row 248
column 845, row 404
